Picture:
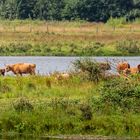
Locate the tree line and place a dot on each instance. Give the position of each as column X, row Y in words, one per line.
column 90, row 10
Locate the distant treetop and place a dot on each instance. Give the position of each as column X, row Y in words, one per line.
column 90, row 10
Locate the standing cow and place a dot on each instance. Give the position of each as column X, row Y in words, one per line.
column 122, row 66
column 133, row 70
column 21, row 68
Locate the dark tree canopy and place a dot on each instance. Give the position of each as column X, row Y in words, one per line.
column 91, row 10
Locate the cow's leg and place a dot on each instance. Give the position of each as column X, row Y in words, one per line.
column 18, row 74
column 32, row 72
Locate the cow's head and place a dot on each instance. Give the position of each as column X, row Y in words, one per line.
column 138, row 68
column 122, row 66
column 7, row 68
column 2, row 72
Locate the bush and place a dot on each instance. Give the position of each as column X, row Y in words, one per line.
column 22, row 104
column 86, row 112
column 121, row 94
column 93, row 70
column 116, row 22
column 93, row 49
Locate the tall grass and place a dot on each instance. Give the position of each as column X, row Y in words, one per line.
column 70, row 48
column 42, row 105
column 49, row 38
column 117, row 22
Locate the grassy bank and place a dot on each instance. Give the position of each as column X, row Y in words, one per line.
column 69, row 48
column 68, row 38
column 41, row 105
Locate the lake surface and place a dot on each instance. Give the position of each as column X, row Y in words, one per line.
column 46, row 65
column 14, row 137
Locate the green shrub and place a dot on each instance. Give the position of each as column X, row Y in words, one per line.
column 121, row 94
column 86, row 112
column 93, row 48
column 116, row 22
column 93, row 70
column 22, row 104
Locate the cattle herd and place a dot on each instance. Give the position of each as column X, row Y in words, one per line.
column 126, row 69
column 28, row 68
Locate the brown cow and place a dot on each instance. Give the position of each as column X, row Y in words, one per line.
column 134, row 70
column 138, row 68
column 63, row 76
column 2, row 72
column 130, row 71
column 21, row 68
column 122, row 66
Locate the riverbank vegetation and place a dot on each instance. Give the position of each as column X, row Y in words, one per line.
column 78, row 105
column 22, row 38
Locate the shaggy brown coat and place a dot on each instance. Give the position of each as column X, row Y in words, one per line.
column 122, row 66
column 21, row 68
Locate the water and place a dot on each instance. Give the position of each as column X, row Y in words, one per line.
column 14, row 137
column 46, row 65
column 21, row 137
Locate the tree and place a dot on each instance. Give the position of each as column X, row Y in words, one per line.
column 91, row 10
column 69, row 11
column 102, row 10
column 25, row 8
column 49, row 9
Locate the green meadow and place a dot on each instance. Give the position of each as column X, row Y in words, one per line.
column 42, row 106
column 86, row 103
column 63, row 38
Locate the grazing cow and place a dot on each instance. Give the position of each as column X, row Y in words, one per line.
column 2, row 72
column 62, row 76
column 21, row 68
column 134, row 70
column 130, row 71
column 122, row 66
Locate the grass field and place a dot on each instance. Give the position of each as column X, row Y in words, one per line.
column 41, row 105
column 80, row 105
column 68, row 38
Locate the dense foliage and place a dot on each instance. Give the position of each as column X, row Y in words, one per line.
column 92, row 69
column 122, row 94
column 91, row 10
